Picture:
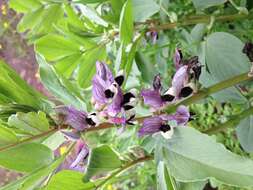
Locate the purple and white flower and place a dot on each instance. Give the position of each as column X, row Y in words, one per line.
column 153, row 36
column 108, row 95
column 76, row 159
column 78, row 120
column 154, row 97
column 160, row 124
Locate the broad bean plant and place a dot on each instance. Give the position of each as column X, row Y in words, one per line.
column 126, row 79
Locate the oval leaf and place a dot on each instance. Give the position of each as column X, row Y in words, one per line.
column 26, row 157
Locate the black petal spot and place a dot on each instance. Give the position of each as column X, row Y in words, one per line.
column 248, row 50
column 126, row 98
column 109, row 93
column 119, row 80
column 127, row 107
column 197, row 71
column 131, row 117
column 90, row 121
column 186, row 91
column 167, row 98
column 157, row 82
column 164, row 128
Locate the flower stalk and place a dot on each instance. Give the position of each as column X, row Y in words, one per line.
column 200, row 19
column 123, row 168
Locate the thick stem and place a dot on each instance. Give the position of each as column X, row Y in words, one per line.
column 123, row 168
column 230, row 123
column 29, row 139
column 200, row 19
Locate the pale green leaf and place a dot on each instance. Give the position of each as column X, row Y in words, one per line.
column 144, row 9
column 26, row 157
column 202, row 158
column 203, row 4
column 126, row 23
column 102, row 159
column 33, row 123
column 70, row 180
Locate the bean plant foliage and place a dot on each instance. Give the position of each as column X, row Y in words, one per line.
column 127, row 77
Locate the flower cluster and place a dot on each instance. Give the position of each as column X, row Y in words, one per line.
column 182, row 85
column 115, row 106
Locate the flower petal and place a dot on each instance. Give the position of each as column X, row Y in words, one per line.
column 181, row 116
column 115, row 107
column 177, row 58
column 104, row 72
column 157, row 82
column 150, row 125
column 73, row 117
column 77, row 163
column 152, row 98
column 180, row 79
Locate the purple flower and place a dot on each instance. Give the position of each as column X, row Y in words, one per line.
column 68, row 115
column 76, row 159
column 154, row 97
column 116, row 105
column 178, row 57
column 160, row 123
column 153, row 36
column 78, row 120
column 101, row 84
column 82, row 152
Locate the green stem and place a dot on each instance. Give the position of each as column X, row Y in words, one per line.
column 199, row 19
column 123, row 168
column 230, row 123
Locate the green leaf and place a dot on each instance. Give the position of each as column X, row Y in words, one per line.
column 244, row 132
column 23, row 93
column 33, row 123
column 114, row 14
column 25, row 5
column 224, row 59
column 90, row 1
column 147, row 69
column 33, row 179
column 92, row 15
column 67, row 65
column 30, row 20
column 143, row 9
column 52, row 82
column 200, row 4
column 202, row 158
column 192, row 186
column 126, row 23
column 102, row 159
column 69, row 180
column 51, row 15
column 127, row 65
column 54, row 47
column 87, row 67
column 54, row 141
column 26, row 157
column 164, row 181
column 7, row 136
